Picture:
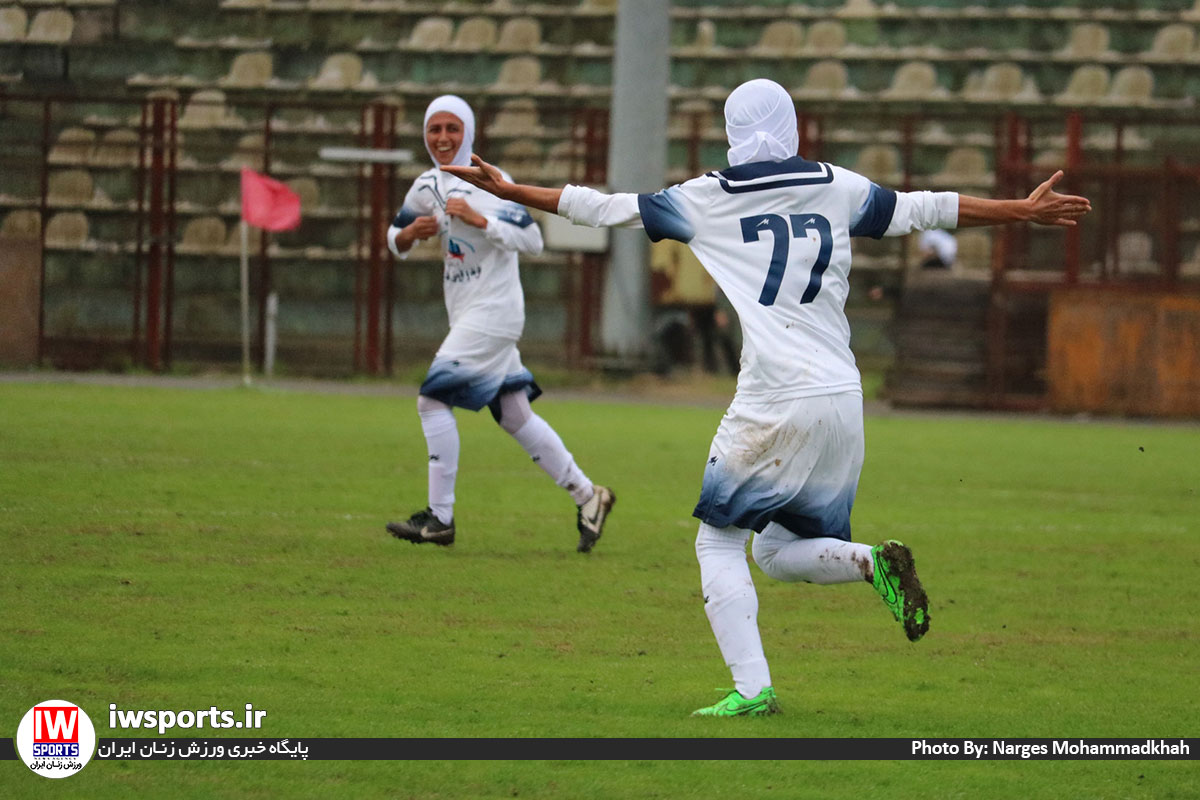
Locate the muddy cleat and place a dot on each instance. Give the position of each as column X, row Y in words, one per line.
column 423, row 527
column 897, row 583
column 734, row 705
column 591, row 516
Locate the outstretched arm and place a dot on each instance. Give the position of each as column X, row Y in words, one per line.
column 488, row 178
column 1044, row 206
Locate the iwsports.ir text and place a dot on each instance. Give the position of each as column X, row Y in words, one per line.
column 165, row 720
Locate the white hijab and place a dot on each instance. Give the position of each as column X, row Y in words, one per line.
column 459, row 108
column 760, row 122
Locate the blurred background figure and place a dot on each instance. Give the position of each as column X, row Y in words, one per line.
column 937, row 249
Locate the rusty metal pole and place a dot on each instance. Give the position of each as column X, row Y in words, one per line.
column 139, row 253
column 380, row 140
column 1074, row 161
column 158, row 233
column 172, row 122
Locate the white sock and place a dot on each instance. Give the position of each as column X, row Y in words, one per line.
column 441, row 439
column 731, row 604
column 548, row 452
column 786, row 557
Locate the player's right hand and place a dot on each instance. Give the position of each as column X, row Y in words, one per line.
column 422, row 228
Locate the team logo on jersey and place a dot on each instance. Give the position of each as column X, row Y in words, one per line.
column 56, row 738
column 454, row 249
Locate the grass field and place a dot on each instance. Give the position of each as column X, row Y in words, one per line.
column 180, row 548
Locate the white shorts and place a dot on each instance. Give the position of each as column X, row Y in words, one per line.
column 796, row 463
column 472, row 369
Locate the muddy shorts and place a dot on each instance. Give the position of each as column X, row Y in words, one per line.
column 472, row 369
column 795, row 462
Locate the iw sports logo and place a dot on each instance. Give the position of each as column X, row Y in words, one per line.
column 56, row 738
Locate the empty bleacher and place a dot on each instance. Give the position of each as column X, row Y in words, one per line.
column 913, row 93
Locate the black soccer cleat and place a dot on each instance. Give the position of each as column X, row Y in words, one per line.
column 423, row 527
column 590, row 518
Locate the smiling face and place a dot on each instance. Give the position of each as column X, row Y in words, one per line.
column 443, row 136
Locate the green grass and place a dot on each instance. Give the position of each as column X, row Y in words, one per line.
column 182, row 548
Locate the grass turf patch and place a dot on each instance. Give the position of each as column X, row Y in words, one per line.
column 176, row 549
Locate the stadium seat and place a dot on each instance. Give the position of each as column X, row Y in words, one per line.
column 233, row 244
column 518, row 74
column 431, row 33
column 825, row 37
column 342, row 71
column 686, row 114
column 915, row 80
column 204, row 234
column 1172, row 43
column 1087, row 86
column 474, row 34
column 249, row 70
column 21, row 224
column 1135, row 253
column 519, row 35
column 779, row 38
column 522, row 157
column 13, row 21
column 880, row 163
column 964, row 166
column 517, row 117
column 67, row 230
column 73, row 145
column 51, row 26
column 1131, row 86
column 248, row 153
column 974, row 251
column 704, row 43
column 601, row 7
column 116, row 148
column 826, row 79
column 1188, row 269
column 71, row 187
column 1002, row 82
column 205, row 109
column 1088, row 41
column 560, row 159
column 307, row 190
column 857, row 9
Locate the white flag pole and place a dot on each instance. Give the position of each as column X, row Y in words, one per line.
column 245, row 303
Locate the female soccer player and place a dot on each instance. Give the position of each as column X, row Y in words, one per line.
column 478, row 364
column 773, row 229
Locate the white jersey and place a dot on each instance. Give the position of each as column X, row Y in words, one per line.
column 775, row 236
column 481, row 281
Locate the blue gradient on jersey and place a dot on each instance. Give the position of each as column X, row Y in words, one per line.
column 456, row 385
column 514, row 214
column 405, row 217
column 876, row 213
column 752, row 504
column 662, row 219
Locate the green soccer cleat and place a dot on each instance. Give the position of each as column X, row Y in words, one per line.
column 897, row 583
column 734, row 705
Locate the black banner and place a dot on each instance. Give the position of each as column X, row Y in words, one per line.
column 318, row 749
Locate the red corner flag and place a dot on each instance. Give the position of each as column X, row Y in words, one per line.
column 267, row 203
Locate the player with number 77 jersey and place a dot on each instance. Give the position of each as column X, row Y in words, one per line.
column 773, row 229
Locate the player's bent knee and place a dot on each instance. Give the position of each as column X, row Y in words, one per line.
column 514, row 411
column 426, row 404
column 764, row 550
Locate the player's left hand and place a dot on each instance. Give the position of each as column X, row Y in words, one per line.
column 480, row 173
column 1048, row 207
column 459, row 208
